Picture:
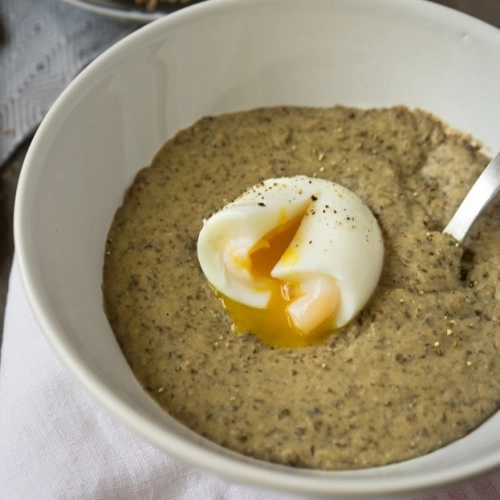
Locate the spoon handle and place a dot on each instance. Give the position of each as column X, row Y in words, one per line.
column 481, row 193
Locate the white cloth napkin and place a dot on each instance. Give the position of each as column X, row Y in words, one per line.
column 56, row 443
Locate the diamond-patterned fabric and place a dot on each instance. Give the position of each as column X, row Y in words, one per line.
column 43, row 45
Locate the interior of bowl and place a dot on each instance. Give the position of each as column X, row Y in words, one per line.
column 216, row 57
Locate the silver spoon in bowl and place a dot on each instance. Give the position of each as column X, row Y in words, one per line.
column 481, row 193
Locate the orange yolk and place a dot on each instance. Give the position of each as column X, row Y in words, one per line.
column 272, row 324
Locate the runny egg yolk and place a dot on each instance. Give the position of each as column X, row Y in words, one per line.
column 274, row 324
column 293, row 259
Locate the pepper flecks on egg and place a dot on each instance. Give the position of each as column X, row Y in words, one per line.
column 288, row 267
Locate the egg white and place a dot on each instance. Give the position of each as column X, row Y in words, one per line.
column 338, row 242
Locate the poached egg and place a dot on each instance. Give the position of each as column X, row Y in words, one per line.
column 293, row 259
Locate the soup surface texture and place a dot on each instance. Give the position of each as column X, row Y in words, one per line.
column 418, row 367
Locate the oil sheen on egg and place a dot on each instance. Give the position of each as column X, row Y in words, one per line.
column 293, row 259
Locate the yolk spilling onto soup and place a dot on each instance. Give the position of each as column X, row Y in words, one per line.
column 293, row 259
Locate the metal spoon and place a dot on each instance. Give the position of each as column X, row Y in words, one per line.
column 481, row 193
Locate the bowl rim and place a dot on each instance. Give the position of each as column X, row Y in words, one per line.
column 251, row 472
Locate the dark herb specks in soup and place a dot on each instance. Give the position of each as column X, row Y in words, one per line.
column 418, row 366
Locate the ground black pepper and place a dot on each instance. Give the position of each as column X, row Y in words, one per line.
column 393, row 385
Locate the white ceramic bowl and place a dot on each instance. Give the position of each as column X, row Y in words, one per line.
column 219, row 56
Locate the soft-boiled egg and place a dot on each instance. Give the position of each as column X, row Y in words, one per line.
column 293, row 259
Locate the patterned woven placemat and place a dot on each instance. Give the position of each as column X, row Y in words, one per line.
column 43, row 45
